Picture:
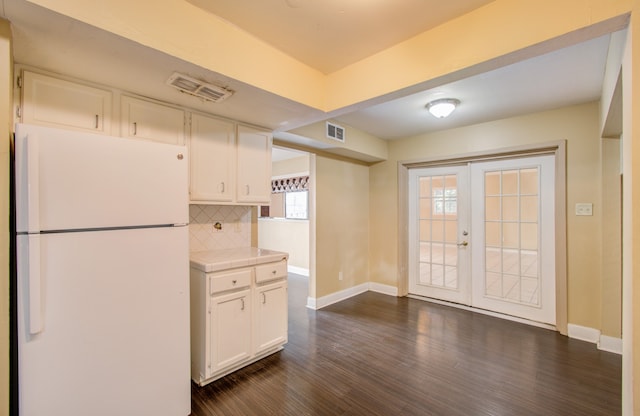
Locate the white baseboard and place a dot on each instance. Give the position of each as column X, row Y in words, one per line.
column 610, row 344
column 298, row 270
column 603, row 342
column 583, row 333
column 384, row 289
column 319, row 303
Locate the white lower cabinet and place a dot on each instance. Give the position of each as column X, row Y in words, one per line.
column 270, row 311
column 238, row 316
column 229, row 330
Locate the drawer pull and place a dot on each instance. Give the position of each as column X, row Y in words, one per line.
column 234, row 282
column 273, row 272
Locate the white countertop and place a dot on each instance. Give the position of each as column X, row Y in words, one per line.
column 216, row 260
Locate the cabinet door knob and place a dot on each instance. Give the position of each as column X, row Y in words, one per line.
column 234, row 281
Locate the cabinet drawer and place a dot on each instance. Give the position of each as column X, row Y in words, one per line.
column 271, row 271
column 230, row 281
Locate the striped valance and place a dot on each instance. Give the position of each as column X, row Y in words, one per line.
column 299, row 183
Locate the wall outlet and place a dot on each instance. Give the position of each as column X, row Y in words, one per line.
column 584, row 208
column 340, row 276
column 217, row 227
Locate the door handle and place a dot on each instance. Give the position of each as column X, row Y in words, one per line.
column 463, row 244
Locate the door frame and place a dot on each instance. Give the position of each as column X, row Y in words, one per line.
column 556, row 148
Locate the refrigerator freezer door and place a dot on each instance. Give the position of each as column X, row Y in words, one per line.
column 115, row 339
column 72, row 180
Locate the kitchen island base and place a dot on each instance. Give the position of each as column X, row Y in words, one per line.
column 238, row 310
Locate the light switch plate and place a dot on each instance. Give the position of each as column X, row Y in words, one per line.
column 584, row 208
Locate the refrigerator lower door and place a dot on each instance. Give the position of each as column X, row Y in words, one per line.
column 115, row 325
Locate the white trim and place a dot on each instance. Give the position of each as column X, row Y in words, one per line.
column 603, row 342
column 335, row 297
column 319, row 303
column 484, row 312
column 583, row 333
column 311, row 303
column 298, row 270
column 384, row 289
column 291, row 175
column 610, row 344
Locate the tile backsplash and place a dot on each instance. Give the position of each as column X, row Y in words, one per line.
column 234, row 221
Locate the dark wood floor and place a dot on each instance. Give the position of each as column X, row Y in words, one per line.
column 380, row 355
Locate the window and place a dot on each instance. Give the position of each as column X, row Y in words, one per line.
column 289, row 199
column 444, row 201
column 296, row 205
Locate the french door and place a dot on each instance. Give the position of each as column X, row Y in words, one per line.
column 482, row 235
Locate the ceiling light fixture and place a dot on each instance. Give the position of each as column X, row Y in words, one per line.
column 443, row 107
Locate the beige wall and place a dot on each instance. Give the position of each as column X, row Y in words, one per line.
column 290, row 236
column 577, row 125
column 6, row 81
column 341, row 225
column 611, row 239
column 293, row 166
column 630, row 226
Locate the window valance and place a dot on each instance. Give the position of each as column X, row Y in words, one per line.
column 300, row 183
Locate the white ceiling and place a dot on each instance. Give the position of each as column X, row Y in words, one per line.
column 46, row 40
column 561, row 78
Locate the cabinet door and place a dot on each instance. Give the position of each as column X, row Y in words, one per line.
column 151, row 121
column 212, row 158
column 254, row 166
column 270, row 329
column 230, row 330
column 54, row 102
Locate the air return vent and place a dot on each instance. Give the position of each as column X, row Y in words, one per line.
column 335, row 132
column 199, row 88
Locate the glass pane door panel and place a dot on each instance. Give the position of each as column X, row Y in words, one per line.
column 512, row 235
column 435, row 213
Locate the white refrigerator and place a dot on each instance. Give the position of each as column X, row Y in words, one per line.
column 102, row 281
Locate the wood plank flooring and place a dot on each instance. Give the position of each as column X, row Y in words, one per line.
column 380, row 355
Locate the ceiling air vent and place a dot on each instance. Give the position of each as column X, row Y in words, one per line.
column 198, row 88
column 335, row 132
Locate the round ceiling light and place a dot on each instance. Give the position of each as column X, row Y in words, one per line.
column 443, row 107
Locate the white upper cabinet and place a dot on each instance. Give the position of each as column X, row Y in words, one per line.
column 58, row 103
column 212, row 158
column 253, row 166
column 229, row 164
column 141, row 119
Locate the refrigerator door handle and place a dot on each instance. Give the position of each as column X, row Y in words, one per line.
column 33, row 182
column 32, row 268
